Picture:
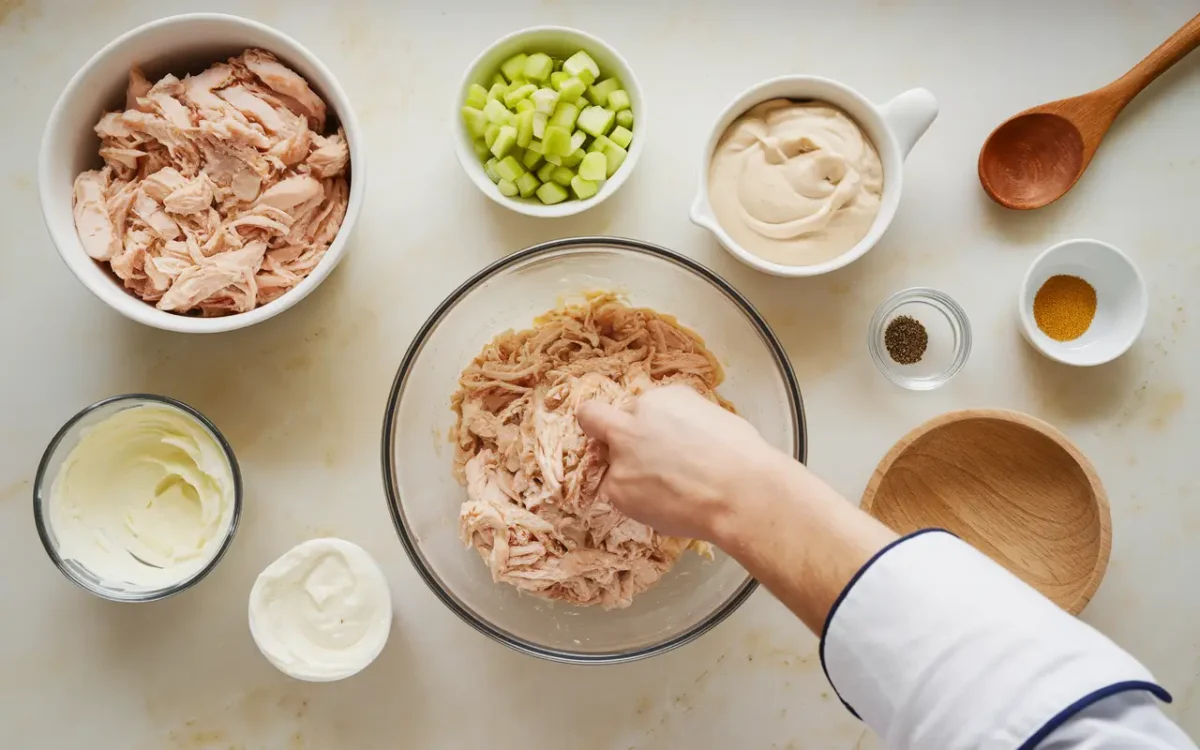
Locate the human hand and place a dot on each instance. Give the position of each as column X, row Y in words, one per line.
column 677, row 461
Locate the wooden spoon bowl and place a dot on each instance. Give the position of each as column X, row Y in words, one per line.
column 1010, row 485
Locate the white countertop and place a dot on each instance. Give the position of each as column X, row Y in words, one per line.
column 301, row 396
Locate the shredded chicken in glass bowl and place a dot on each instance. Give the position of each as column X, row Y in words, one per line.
column 449, row 466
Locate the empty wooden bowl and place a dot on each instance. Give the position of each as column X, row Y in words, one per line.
column 1013, row 487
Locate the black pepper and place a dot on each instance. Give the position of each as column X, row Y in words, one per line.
column 906, row 340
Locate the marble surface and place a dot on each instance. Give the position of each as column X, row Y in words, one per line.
column 301, row 396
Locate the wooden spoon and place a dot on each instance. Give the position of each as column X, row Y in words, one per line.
column 1036, row 156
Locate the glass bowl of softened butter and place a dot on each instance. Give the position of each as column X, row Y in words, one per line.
column 137, row 498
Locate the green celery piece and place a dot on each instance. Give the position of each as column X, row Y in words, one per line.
column 489, row 135
column 524, row 124
column 625, row 118
column 538, row 67
column 619, row 100
column 556, row 79
column 544, row 100
column 521, row 92
column 514, row 67
column 562, row 176
column 496, row 92
column 481, row 149
column 595, row 120
column 498, row 79
column 531, row 159
column 558, row 63
column 551, row 193
column 537, row 147
column 578, row 138
column 554, row 159
column 497, row 113
column 615, row 156
column 565, row 116
column 540, row 121
column 489, row 168
column 594, row 167
column 476, row 121
column 477, row 96
column 574, row 158
column 571, row 89
column 524, row 106
column 581, row 65
column 509, row 169
column 508, row 188
column 557, row 141
column 528, row 184
column 621, row 137
column 545, row 173
column 583, row 189
column 599, row 143
column 504, row 141
column 598, row 94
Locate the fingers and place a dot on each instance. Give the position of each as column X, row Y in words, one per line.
column 602, row 421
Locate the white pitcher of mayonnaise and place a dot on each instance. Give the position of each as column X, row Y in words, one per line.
column 893, row 128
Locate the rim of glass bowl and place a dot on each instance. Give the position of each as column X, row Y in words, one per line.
column 959, row 322
column 40, row 502
column 795, row 403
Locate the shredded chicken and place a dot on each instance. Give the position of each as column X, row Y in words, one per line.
column 533, row 510
column 219, row 191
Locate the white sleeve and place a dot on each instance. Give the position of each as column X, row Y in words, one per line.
column 936, row 646
column 1125, row 720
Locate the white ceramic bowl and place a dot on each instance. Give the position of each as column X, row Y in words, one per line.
column 894, row 128
column 179, row 44
column 558, row 41
column 1121, row 301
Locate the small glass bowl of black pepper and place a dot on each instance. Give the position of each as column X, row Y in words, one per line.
column 919, row 338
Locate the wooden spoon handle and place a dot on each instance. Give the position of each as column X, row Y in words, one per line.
column 1156, row 63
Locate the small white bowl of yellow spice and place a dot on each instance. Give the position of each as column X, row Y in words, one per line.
column 1083, row 303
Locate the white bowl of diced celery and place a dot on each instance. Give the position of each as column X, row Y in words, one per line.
column 549, row 121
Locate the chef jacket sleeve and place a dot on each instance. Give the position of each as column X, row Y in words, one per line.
column 936, row 647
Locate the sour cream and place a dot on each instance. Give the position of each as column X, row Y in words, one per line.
column 322, row 611
column 144, row 500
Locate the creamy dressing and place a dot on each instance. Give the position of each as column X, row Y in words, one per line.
column 795, row 183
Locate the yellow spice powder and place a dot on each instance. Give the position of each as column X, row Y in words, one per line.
column 1064, row 307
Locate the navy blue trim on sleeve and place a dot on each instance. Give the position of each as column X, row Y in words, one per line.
column 842, row 596
column 1063, row 716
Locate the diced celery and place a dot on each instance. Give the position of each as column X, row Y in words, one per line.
column 554, row 159
column 497, row 113
column 583, row 189
column 625, row 118
column 504, row 141
column 539, row 124
column 551, row 193
column 508, row 188
column 537, row 147
column 528, row 184
column 595, row 120
column 582, row 66
column 475, row 120
column 578, row 138
column 599, row 144
column 619, row 100
column 489, row 168
column 571, row 89
column 574, row 159
column 514, row 67
column 621, row 137
column 594, row 167
column 565, row 115
column 531, row 159
column 546, row 172
column 489, row 135
column 557, row 140
column 598, row 94
column 538, row 67
column 524, row 125
column 558, row 63
column 496, row 93
column 524, row 106
column 517, row 153
column 557, row 77
column 497, row 78
column 481, row 149
column 477, row 96
column 562, row 176
column 509, row 169
column 521, row 92
column 615, row 156
column 544, row 100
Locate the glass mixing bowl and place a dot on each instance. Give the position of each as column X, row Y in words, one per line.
column 424, row 497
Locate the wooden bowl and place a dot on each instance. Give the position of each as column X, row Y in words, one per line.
column 1010, row 485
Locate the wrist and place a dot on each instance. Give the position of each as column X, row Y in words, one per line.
column 755, row 498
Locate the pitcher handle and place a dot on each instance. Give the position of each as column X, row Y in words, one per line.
column 909, row 115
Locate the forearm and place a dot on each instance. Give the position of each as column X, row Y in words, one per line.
column 798, row 537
